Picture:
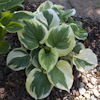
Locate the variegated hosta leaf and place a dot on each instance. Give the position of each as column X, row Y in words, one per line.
column 85, row 60
column 1, row 8
column 10, row 5
column 78, row 23
column 79, row 46
column 18, row 59
column 61, row 75
column 20, row 22
column 4, row 1
column 74, row 27
column 28, row 69
column 23, row 15
column 33, row 34
column 44, row 6
column 62, row 39
column 37, row 84
column 81, row 34
column 35, row 60
column 2, row 32
column 4, row 20
column 48, row 18
column 66, row 14
column 13, row 27
column 48, row 59
column 4, row 47
column 57, row 8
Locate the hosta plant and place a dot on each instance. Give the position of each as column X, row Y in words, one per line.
column 49, row 50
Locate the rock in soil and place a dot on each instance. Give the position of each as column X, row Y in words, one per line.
column 87, row 94
column 76, row 98
column 93, row 80
column 2, row 90
column 65, row 98
column 82, row 91
column 82, row 84
column 96, row 93
column 98, row 81
column 84, row 79
column 93, row 98
column 90, row 85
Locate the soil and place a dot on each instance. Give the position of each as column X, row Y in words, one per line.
column 13, row 83
column 84, row 8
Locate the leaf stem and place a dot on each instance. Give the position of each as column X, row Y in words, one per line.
column 41, row 45
column 68, row 58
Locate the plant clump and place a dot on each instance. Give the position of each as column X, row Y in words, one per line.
column 50, row 48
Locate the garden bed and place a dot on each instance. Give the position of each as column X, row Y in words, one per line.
column 12, row 84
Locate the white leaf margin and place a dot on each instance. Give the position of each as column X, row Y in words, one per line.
column 29, row 80
column 66, row 69
column 64, row 52
column 89, row 56
column 13, row 55
column 55, row 21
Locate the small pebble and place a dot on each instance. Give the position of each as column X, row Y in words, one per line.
column 80, row 97
column 87, row 94
column 96, row 93
column 98, row 73
column 84, row 79
column 34, row 5
column 77, row 93
column 79, row 75
column 98, row 87
column 82, row 84
column 95, row 70
column 90, row 85
column 2, row 96
column 76, row 98
column 2, row 90
column 83, row 98
column 86, row 87
column 82, row 91
column 91, row 92
column 98, row 81
column 93, row 98
column 60, row 90
column 65, row 98
column 99, row 97
column 74, row 92
column 92, row 72
column 98, row 90
column 93, row 80
column 89, row 75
